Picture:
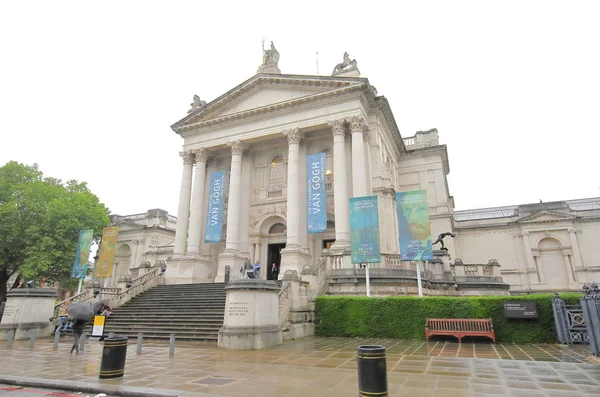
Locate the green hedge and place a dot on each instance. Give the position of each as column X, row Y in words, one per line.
column 403, row 317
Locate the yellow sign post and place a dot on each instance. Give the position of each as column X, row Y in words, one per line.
column 98, row 328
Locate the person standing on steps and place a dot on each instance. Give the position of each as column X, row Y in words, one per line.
column 274, row 271
column 63, row 317
column 257, row 270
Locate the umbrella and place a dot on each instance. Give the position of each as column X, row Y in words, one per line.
column 99, row 304
column 80, row 311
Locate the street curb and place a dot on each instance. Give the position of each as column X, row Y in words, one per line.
column 111, row 390
column 594, row 359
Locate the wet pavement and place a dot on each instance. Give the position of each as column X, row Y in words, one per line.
column 323, row 367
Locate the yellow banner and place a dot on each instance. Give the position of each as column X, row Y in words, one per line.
column 104, row 267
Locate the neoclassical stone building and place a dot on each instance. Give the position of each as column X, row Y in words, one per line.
column 260, row 134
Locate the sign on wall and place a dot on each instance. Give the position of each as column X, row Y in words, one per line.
column 413, row 226
column 520, row 309
column 107, row 252
column 316, row 193
column 214, row 217
column 364, row 230
column 82, row 255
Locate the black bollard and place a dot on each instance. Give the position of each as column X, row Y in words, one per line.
column 372, row 371
column 114, row 353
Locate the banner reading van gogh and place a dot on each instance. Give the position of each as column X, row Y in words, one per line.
column 107, row 252
column 364, row 230
column 317, row 195
column 413, row 226
column 82, row 255
column 214, row 217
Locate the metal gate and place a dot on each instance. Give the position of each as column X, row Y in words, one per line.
column 570, row 321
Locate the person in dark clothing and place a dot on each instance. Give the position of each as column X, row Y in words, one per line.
column 78, row 327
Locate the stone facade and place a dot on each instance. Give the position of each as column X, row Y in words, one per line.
column 543, row 247
column 260, row 134
column 145, row 240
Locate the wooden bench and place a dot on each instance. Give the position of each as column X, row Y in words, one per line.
column 459, row 327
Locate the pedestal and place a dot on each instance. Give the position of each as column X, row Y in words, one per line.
column 188, row 269
column 294, row 259
column 251, row 315
column 235, row 262
column 26, row 309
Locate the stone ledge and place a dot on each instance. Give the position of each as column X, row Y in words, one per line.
column 252, row 284
column 86, row 387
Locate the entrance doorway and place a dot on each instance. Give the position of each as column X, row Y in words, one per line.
column 328, row 243
column 273, row 256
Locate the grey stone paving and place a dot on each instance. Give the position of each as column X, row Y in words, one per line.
column 322, row 367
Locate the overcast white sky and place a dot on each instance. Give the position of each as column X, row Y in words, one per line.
column 89, row 89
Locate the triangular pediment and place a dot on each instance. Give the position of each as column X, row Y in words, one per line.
column 125, row 226
column 263, row 93
column 547, row 216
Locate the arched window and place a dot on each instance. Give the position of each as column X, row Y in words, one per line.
column 276, row 173
column 328, row 164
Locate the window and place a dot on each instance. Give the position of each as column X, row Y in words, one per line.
column 328, row 164
column 276, row 173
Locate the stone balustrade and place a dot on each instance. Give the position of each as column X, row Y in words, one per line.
column 488, row 272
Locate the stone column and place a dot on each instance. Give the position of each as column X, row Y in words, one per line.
column 235, row 188
column 569, row 268
column 528, row 253
column 359, row 169
column 575, row 247
column 195, row 228
column 293, row 188
column 183, row 212
column 340, row 186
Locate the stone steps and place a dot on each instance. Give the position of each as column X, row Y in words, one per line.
column 193, row 312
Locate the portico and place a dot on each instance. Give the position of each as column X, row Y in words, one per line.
column 250, row 213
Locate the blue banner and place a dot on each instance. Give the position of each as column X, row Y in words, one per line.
column 82, row 255
column 316, row 193
column 413, row 226
column 364, row 230
column 214, row 217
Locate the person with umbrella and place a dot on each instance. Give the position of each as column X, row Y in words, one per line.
column 81, row 314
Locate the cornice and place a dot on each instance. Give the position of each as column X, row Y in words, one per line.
column 344, row 88
column 241, row 91
column 273, row 109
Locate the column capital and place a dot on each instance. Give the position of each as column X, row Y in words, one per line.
column 237, row 147
column 357, row 123
column 338, row 127
column 200, row 154
column 294, row 136
column 188, row 156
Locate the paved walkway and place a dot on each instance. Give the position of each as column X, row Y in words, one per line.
column 323, row 367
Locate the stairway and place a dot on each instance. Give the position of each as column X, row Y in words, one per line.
column 193, row 312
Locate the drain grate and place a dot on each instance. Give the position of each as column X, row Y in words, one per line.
column 213, row 380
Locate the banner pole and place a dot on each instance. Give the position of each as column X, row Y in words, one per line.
column 367, row 277
column 419, row 282
column 79, row 286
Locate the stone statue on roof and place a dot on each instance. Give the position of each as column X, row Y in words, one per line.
column 270, row 60
column 345, row 66
column 198, row 103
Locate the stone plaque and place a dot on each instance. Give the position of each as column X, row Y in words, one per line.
column 237, row 308
column 520, row 310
